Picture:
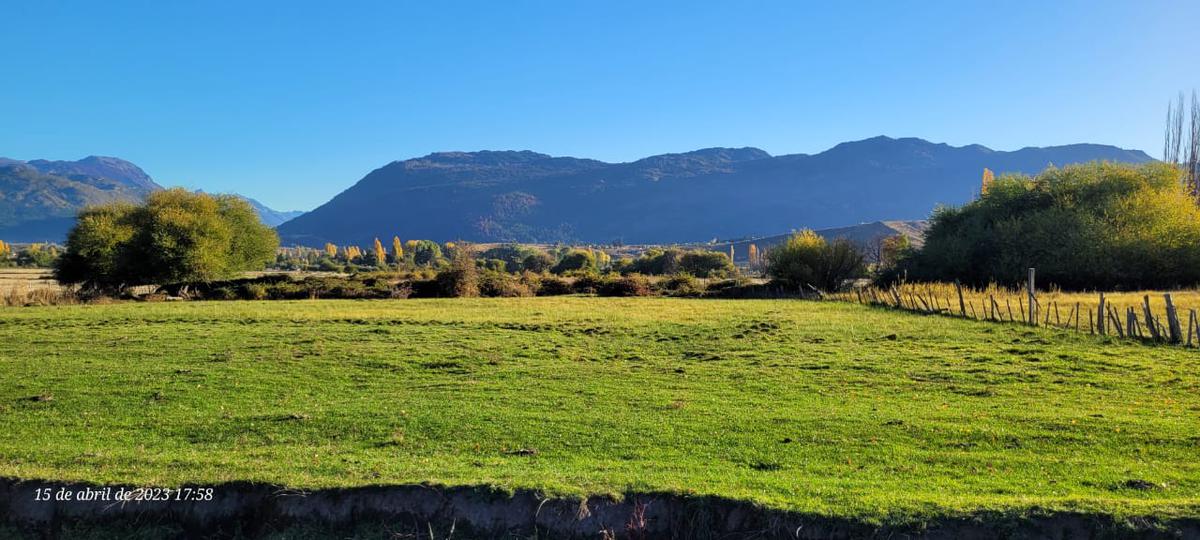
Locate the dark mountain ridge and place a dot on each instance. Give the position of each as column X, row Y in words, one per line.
column 685, row 197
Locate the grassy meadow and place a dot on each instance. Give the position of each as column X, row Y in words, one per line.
column 825, row 407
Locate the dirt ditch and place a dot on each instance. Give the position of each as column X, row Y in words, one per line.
column 35, row 509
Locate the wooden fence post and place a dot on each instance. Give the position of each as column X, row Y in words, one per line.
column 1173, row 320
column 1100, row 313
column 1150, row 318
column 1029, row 285
column 962, row 306
column 1191, row 323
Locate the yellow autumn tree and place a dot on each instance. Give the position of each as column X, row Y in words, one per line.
column 330, row 250
column 988, row 178
column 5, row 249
column 380, row 254
column 397, row 249
column 753, row 249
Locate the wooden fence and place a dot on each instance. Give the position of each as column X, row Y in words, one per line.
column 1065, row 311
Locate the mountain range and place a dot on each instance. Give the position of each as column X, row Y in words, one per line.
column 39, row 198
column 525, row 196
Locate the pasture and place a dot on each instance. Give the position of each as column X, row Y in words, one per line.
column 25, row 279
column 825, row 407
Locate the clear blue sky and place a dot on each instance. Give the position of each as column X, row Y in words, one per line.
column 292, row 102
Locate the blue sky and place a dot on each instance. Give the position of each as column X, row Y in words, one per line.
column 292, row 102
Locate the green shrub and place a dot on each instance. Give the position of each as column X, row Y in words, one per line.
column 495, row 265
column 425, row 253
column 576, row 260
column 684, row 285
column 660, row 262
column 222, row 293
column 287, row 291
column 500, row 284
column 806, row 259
column 1093, row 226
column 553, row 286
column 517, row 257
column 254, row 291
column 461, row 279
column 586, row 284
column 654, row 262
column 706, row 264
column 631, row 285
column 537, row 262
column 530, row 280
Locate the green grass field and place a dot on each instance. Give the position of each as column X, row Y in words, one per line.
column 830, row 408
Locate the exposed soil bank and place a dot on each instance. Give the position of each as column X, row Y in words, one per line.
column 242, row 510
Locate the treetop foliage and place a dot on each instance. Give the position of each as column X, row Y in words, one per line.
column 1092, row 226
column 698, row 263
column 175, row 236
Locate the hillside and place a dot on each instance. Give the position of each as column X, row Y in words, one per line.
column 688, row 197
column 39, row 198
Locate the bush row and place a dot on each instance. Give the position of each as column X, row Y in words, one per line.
column 444, row 285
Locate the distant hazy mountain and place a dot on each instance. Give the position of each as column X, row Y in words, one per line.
column 269, row 217
column 716, row 192
column 272, row 218
column 39, row 198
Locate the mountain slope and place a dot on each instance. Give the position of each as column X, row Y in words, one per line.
column 39, row 198
column 716, row 192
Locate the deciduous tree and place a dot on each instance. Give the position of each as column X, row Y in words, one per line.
column 397, row 250
column 176, row 236
column 380, row 254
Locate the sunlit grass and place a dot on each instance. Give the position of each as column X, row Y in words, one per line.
column 824, row 407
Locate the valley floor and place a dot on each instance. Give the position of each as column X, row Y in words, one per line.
column 824, row 408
